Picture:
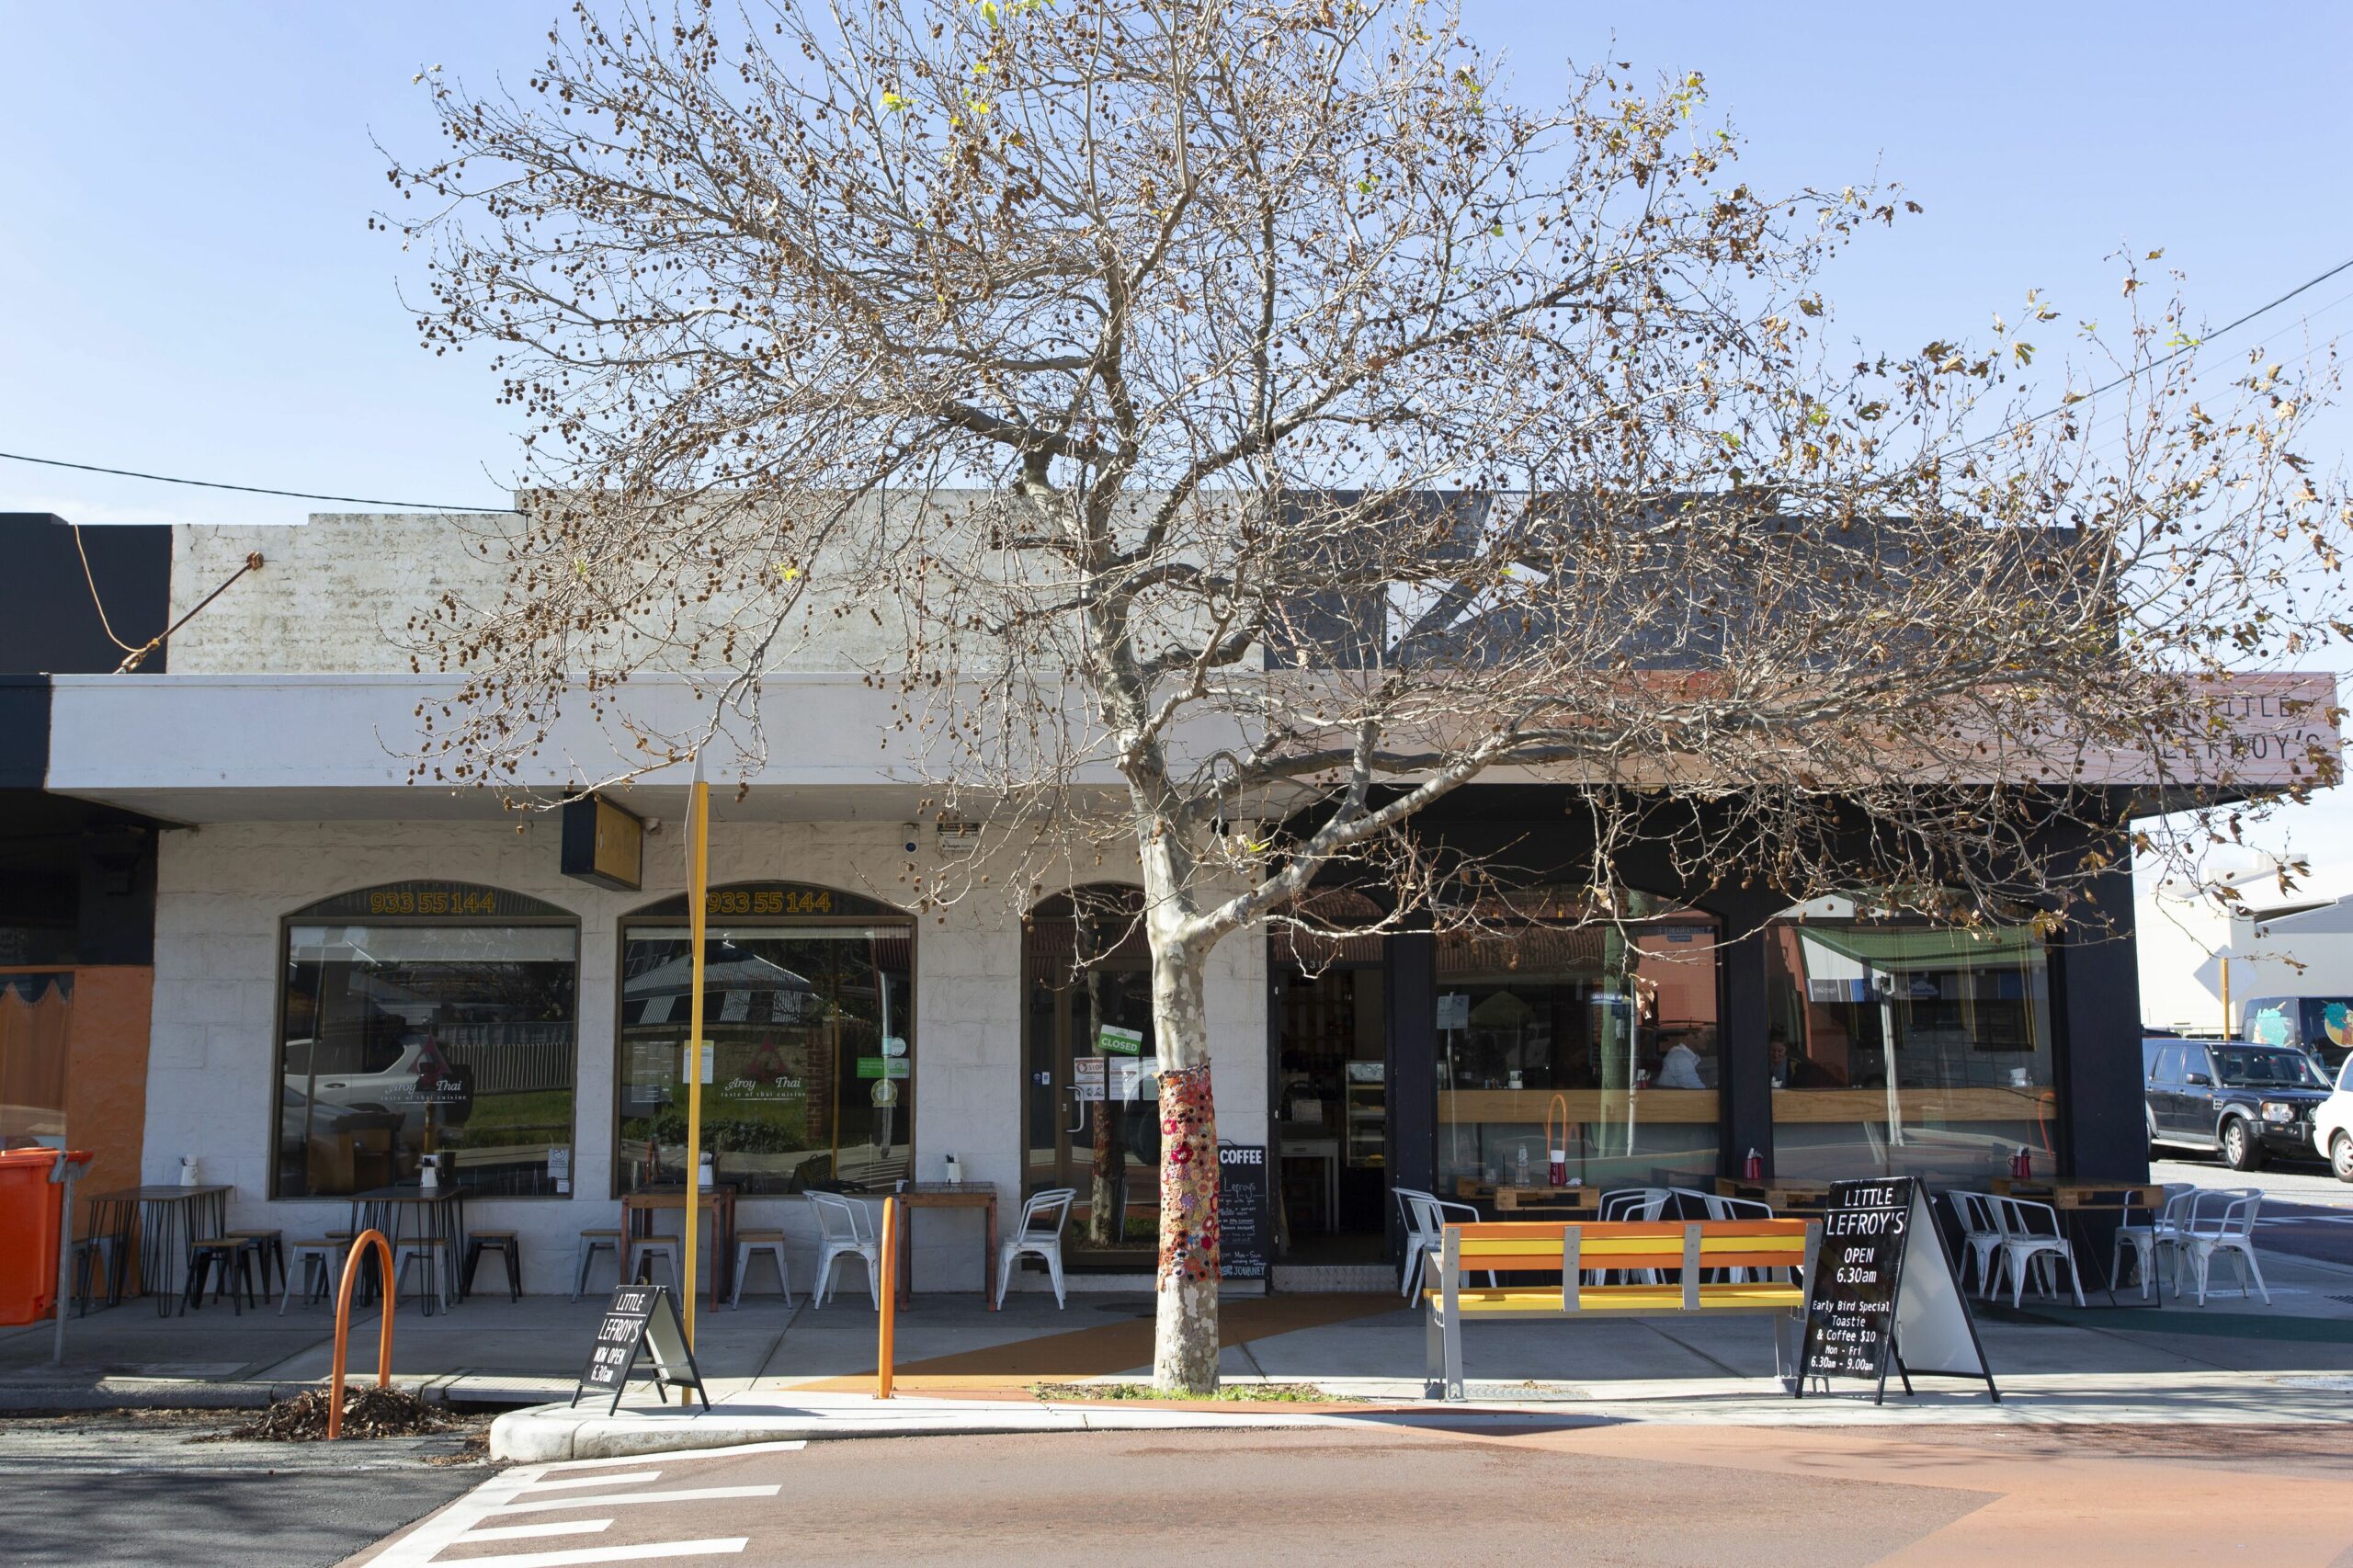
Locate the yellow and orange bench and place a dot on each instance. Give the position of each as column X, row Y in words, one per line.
column 1638, row 1268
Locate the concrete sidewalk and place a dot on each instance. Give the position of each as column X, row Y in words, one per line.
column 778, row 1372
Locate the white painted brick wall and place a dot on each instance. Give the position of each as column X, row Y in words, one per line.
column 223, row 889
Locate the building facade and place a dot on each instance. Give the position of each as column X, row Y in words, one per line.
column 77, row 877
column 356, row 972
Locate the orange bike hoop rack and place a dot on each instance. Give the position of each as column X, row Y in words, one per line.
column 342, row 1325
column 890, row 1313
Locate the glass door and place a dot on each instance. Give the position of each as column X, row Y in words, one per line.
column 1092, row 1110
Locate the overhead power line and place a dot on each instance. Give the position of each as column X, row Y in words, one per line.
column 2196, row 343
column 2190, row 346
column 250, row 489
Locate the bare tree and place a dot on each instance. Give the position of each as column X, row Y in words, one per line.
column 1248, row 423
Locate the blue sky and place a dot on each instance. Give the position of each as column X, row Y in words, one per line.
column 191, row 286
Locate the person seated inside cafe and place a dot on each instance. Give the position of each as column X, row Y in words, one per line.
column 1678, row 1067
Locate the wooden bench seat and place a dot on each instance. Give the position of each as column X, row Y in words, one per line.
column 1640, row 1268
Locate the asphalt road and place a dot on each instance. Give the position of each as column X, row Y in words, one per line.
column 1595, row 1493
column 131, row 1488
column 2306, row 1212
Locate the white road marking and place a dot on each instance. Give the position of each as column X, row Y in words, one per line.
column 691, row 1494
column 421, row 1545
column 521, row 1532
column 711, row 1548
column 629, row 1480
column 463, row 1521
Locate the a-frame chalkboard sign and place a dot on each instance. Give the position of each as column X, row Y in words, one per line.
column 1872, row 1303
column 641, row 1317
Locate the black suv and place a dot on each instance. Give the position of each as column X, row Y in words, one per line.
column 2242, row 1101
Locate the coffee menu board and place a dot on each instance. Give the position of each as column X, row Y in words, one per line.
column 1245, row 1211
column 1882, row 1293
column 1850, row 1301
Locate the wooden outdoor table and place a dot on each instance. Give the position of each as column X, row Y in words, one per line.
column 167, row 1218
column 1784, row 1196
column 718, row 1201
column 981, row 1195
column 1569, row 1202
column 408, row 1213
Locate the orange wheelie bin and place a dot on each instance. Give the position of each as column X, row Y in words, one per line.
column 32, row 1207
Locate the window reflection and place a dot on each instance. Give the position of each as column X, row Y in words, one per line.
column 1908, row 1049
column 404, row 1042
column 812, row 1035
column 1616, row 1018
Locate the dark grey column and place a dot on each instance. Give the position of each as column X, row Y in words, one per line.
column 2096, row 1018
column 1410, row 994
column 1744, row 1074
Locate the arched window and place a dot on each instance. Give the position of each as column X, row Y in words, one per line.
column 808, row 1004
column 426, row 1021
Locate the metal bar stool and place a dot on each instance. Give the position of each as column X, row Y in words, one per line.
column 94, row 1260
column 321, row 1257
column 501, row 1241
column 593, row 1242
column 269, row 1246
column 639, row 1252
column 430, row 1248
column 234, row 1259
column 753, row 1244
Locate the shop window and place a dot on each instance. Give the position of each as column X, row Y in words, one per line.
column 808, row 1004
column 428, row 1021
column 36, row 1039
column 1901, row 1047
column 1613, row 1015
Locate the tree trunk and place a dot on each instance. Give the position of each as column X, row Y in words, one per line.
column 1185, row 1345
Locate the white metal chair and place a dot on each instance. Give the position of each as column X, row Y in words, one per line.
column 1425, row 1215
column 1716, row 1206
column 1629, row 1204
column 1981, row 1234
column 2031, row 1240
column 844, row 1229
column 1635, row 1202
column 750, row 1244
column 2218, row 1219
column 1040, row 1234
column 2162, row 1232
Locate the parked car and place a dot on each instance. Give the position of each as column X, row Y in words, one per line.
column 2321, row 1024
column 2240, row 1100
column 2333, row 1127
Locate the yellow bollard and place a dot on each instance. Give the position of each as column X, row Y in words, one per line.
column 890, row 1312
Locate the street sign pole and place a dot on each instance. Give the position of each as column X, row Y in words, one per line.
column 698, row 887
